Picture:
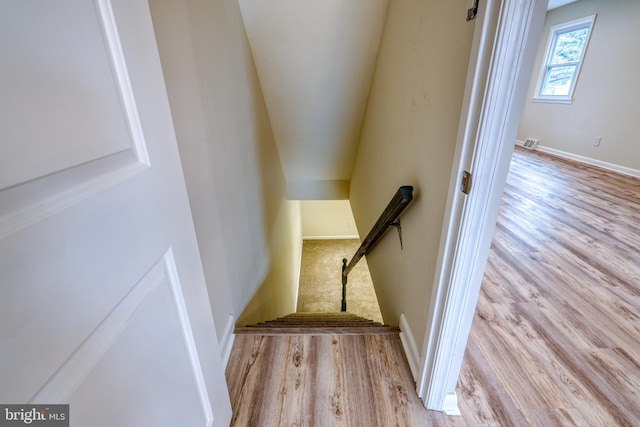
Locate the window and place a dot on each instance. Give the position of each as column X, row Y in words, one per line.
column 564, row 54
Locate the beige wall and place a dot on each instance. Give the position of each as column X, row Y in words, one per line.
column 327, row 218
column 278, row 294
column 408, row 138
column 607, row 95
column 232, row 169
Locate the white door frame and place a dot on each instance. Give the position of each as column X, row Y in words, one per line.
column 504, row 47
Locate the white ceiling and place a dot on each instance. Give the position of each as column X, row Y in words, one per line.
column 315, row 61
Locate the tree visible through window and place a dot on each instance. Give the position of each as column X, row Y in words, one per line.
column 565, row 51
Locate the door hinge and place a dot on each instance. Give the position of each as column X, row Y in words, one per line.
column 473, row 12
column 465, row 184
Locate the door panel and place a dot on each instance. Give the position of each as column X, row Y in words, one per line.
column 103, row 303
column 69, row 121
column 144, row 337
column 57, row 72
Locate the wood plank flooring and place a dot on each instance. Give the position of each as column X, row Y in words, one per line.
column 340, row 380
column 556, row 336
column 555, row 340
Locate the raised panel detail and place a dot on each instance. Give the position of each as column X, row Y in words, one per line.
column 57, row 86
column 145, row 347
column 69, row 125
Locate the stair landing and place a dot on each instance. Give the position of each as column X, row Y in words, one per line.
column 339, row 323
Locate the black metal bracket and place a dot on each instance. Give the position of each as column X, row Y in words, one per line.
column 473, row 12
column 398, row 227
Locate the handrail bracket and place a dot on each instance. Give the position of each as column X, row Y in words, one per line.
column 398, row 227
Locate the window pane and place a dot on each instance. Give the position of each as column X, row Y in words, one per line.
column 569, row 46
column 557, row 81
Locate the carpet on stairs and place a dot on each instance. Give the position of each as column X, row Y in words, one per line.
column 306, row 323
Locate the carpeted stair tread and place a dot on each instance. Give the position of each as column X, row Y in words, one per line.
column 318, row 324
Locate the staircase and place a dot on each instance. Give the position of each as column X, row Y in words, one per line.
column 339, row 323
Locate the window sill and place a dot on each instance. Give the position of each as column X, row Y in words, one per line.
column 552, row 100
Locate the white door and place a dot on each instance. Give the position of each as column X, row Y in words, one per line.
column 103, row 303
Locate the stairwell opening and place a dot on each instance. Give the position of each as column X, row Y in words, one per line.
column 329, row 235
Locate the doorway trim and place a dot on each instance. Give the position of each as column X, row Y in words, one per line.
column 504, row 47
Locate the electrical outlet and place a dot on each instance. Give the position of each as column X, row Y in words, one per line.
column 596, row 142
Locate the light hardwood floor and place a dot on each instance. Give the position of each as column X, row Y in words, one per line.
column 325, row 381
column 555, row 340
column 556, row 336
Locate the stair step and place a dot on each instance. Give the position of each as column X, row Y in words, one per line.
column 316, row 321
column 340, row 323
column 309, row 330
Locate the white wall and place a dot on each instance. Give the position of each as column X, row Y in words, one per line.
column 607, row 95
column 408, row 138
column 327, row 218
column 232, row 169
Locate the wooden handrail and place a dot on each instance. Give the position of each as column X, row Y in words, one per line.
column 398, row 203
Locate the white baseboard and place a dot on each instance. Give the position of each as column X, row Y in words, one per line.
column 347, row 237
column 450, row 405
column 587, row 160
column 226, row 343
column 410, row 348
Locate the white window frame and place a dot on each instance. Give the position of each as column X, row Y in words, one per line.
column 554, row 32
